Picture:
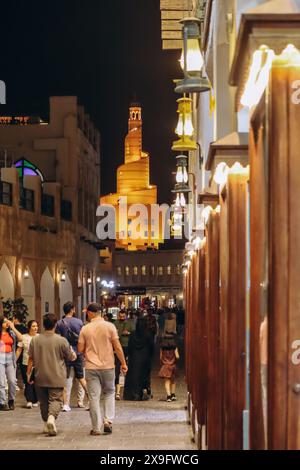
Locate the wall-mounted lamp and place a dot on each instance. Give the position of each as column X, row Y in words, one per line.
column 192, row 59
column 26, row 273
column 89, row 280
column 63, row 276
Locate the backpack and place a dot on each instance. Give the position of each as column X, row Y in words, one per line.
column 72, row 337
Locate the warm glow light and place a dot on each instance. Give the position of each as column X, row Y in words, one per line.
column 185, row 126
column 194, row 62
column 221, row 174
column 218, row 209
column 63, row 276
column 238, row 169
column 98, row 279
column 182, row 200
column 89, row 280
column 206, row 213
column 26, row 273
column 197, row 243
column 179, row 175
column 258, row 76
column 290, row 55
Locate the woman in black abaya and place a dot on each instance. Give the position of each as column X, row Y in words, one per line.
column 139, row 356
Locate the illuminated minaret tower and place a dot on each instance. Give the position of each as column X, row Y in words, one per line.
column 133, row 181
column 133, row 141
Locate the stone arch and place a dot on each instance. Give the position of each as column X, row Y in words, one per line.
column 28, row 294
column 47, row 292
column 7, row 286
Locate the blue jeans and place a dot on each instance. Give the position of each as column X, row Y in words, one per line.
column 101, row 390
column 7, row 370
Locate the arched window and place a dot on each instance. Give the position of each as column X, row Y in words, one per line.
column 25, row 168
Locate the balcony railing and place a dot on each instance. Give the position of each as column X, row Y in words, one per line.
column 47, row 205
column 26, row 201
column 66, row 210
column 5, row 193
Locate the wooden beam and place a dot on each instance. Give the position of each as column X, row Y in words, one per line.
column 174, row 14
column 176, row 5
column 171, row 35
column 172, row 44
column 170, row 25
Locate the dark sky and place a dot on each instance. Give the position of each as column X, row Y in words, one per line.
column 102, row 51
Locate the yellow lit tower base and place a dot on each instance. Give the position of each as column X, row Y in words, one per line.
column 133, row 181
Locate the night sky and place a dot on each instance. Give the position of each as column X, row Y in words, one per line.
column 102, row 51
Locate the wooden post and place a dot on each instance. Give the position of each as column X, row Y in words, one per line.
column 214, row 396
column 233, row 309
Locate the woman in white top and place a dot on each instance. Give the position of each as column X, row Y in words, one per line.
column 29, row 392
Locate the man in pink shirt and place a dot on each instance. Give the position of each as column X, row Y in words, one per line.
column 97, row 341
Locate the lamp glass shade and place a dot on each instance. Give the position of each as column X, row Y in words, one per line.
column 194, row 58
column 179, row 175
column 63, row 276
column 26, row 273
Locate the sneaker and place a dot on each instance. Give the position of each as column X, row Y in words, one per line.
column 35, row 405
column 80, row 404
column 52, row 431
column 4, row 407
column 107, row 428
column 29, row 405
column 66, row 408
column 173, row 397
column 95, row 433
column 169, row 398
column 45, row 428
column 11, row 404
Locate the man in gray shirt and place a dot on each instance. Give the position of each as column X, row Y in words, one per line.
column 47, row 355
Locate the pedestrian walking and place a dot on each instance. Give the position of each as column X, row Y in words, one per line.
column 23, row 351
column 124, row 328
column 139, row 358
column 18, row 322
column 9, row 336
column 69, row 327
column 47, row 355
column 151, row 326
column 168, row 357
column 97, row 341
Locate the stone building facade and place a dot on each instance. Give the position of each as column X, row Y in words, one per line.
column 49, row 192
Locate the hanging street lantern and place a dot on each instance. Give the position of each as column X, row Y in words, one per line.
column 63, row 276
column 192, row 59
column 185, row 128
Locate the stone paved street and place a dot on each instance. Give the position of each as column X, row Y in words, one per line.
column 153, row 425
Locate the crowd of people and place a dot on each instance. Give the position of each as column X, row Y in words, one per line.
column 100, row 355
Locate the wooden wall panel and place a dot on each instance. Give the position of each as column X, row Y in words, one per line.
column 284, row 324
column 224, row 262
column 279, row 307
column 214, row 396
column 258, row 253
column 201, row 338
column 235, row 391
